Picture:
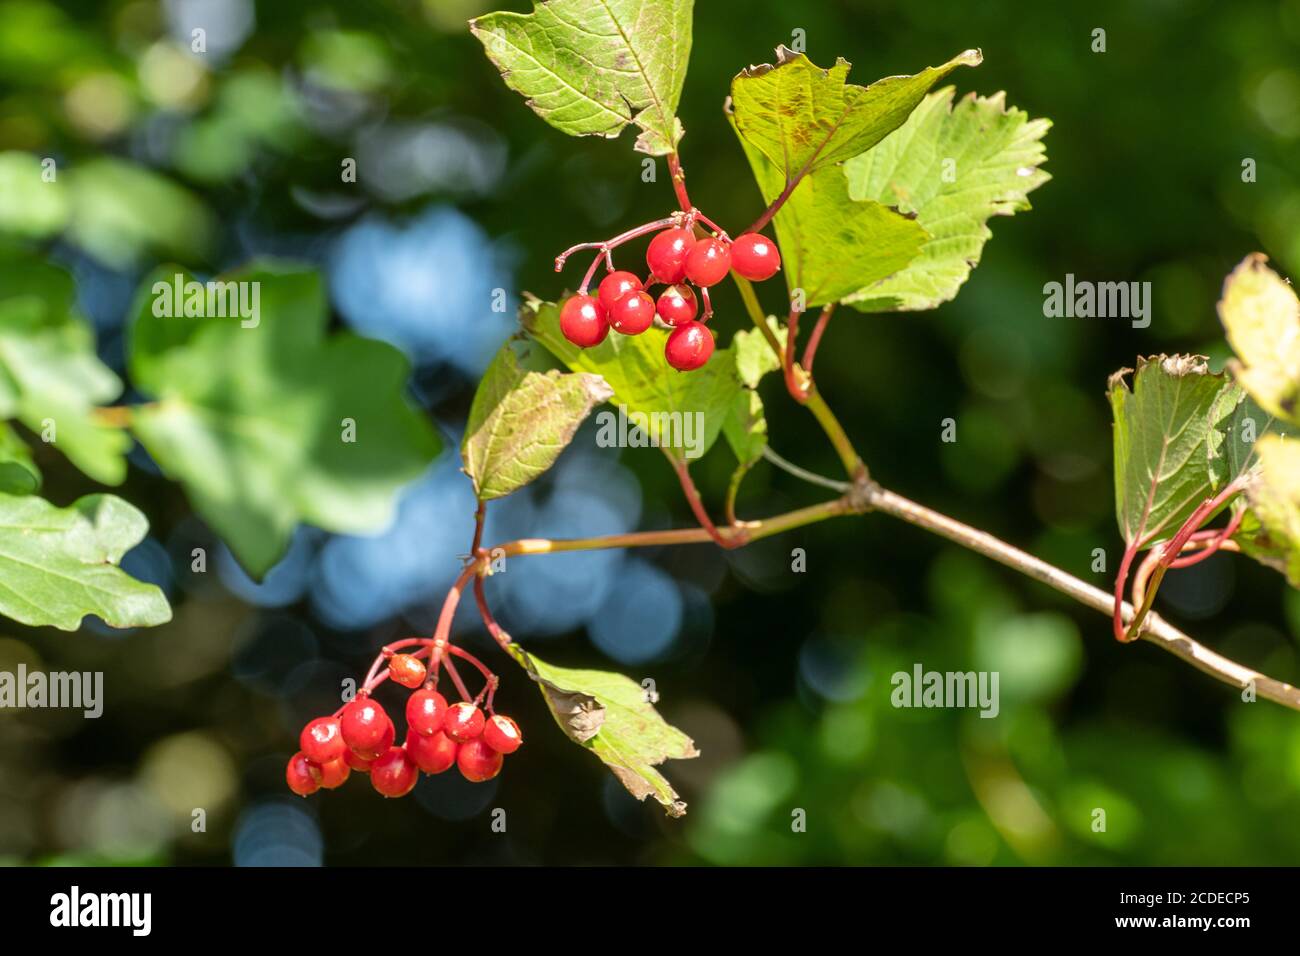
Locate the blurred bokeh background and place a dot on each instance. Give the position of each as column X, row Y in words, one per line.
column 781, row 678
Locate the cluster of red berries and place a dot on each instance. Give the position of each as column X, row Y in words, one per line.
column 361, row 737
column 676, row 260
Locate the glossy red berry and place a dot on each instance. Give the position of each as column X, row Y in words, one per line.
column 583, row 321
column 689, row 346
column 708, row 262
column 502, row 734
column 299, row 777
column 616, row 285
column 356, row 762
column 677, row 305
column 425, row 710
column 432, row 754
column 478, row 761
column 632, row 314
column 333, row 774
column 667, row 254
column 322, row 740
column 755, row 256
column 394, row 774
column 366, row 728
column 463, row 722
column 406, row 670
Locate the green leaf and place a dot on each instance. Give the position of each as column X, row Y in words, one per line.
column 953, row 167
column 268, row 421
column 50, row 377
column 1169, row 442
column 746, row 429
column 59, row 564
column 681, row 412
column 29, row 204
column 832, row 246
column 803, row 118
column 1273, row 536
column 122, row 213
column 521, row 420
column 1261, row 315
column 591, row 67
column 754, row 356
column 610, row 715
column 18, row 472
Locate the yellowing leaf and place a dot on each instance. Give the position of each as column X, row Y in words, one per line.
column 1261, row 315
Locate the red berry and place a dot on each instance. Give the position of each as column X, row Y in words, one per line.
column 755, row 257
column 394, row 774
column 406, row 670
column 478, row 761
column 616, row 285
column 425, row 710
column 298, row 775
column 708, row 262
column 632, row 314
column 502, row 734
column 333, row 774
column 689, row 346
column 322, row 741
column 366, row 728
column 667, row 253
column 463, row 722
column 432, row 754
column 356, row 762
column 677, row 305
column 583, row 321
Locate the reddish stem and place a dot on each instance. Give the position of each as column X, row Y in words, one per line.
column 455, row 675
column 737, row 539
column 792, row 385
column 810, row 350
column 678, row 176
column 1121, row 579
column 1215, row 541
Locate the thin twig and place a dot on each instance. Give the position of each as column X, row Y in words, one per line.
column 811, row 477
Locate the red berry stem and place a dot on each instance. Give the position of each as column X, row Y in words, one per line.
column 708, row 304
column 455, row 675
column 717, row 230
column 678, row 177
column 623, row 237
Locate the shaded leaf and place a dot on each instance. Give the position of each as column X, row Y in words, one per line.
column 275, row 423
column 754, row 356
column 591, row 67
column 59, row 564
column 521, row 420
column 50, row 377
column 29, row 204
column 610, row 715
column 18, row 472
column 1169, row 442
column 953, row 167
column 682, row 412
column 804, row 118
column 1261, row 315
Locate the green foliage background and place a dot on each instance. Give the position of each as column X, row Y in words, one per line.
column 1146, row 155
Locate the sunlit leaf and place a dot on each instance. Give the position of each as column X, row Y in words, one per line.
column 953, row 167
column 613, row 717
column 59, row 564
column 591, row 67
column 1261, row 316
column 804, row 118
column 521, row 420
